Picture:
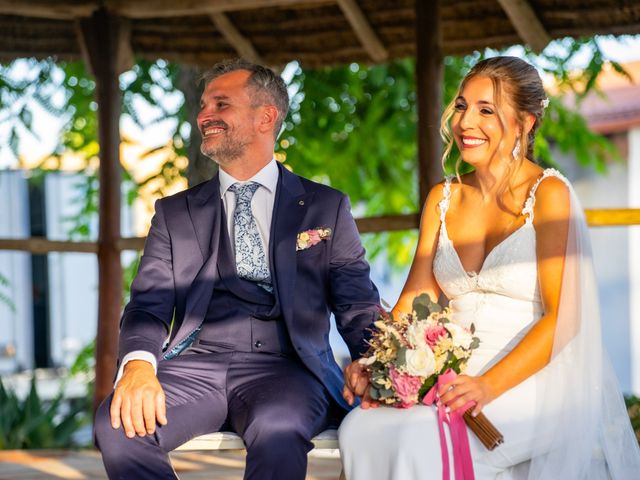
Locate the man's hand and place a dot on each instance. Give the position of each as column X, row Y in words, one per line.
column 356, row 384
column 138, row 400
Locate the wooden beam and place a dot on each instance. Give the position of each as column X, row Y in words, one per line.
column 526, row 23
column 41, row 246
column 238, row 41
column 388, row 223
column 171, row 8
column 609, row 217
column 429, row 86
column 596, row 217
column 49, row 9
column 101, row 33
column 364, row 31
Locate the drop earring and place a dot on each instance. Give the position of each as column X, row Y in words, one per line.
column 516, row 149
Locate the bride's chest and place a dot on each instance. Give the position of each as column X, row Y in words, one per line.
column 510, row 269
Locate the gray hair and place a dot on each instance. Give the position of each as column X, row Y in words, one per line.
column 265, row 87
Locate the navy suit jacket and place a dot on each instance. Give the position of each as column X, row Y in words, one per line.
column 172, row 289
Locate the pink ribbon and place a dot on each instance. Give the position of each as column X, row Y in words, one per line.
column 459, row 440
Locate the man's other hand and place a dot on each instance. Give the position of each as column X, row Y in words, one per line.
column 356, row 384
column 138, row 400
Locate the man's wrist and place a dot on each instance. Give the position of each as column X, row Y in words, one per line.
column 138, row 365
column 133, row 356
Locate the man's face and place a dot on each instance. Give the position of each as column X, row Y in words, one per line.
column 227, row 119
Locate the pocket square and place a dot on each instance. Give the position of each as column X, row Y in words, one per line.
column 312, row 237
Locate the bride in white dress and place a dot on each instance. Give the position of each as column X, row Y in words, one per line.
column 507, row 245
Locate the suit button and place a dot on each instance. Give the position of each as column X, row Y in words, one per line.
column 258, row 344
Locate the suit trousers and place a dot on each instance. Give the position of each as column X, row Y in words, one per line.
column 273, row 402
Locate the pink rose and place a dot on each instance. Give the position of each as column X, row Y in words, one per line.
column 433, row 333
column 406, row 387
column 314, row 237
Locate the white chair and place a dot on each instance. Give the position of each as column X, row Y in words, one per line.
column 327, row 440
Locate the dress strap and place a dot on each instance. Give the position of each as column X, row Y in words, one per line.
column 446, row 196
column 530, row 203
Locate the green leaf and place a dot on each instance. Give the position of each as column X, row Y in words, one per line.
column 424, row 306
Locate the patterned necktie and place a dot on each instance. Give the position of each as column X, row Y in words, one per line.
column 251, row 263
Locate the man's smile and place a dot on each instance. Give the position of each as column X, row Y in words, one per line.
column 213, row 128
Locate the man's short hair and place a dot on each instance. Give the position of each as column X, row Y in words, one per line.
column 266, row 88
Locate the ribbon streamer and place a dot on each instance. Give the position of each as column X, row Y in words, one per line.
column 459, row 439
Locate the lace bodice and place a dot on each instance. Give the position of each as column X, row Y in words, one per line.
column 509, row 269
column 502, row 300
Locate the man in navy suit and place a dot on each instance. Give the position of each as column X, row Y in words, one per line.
column 228, row 323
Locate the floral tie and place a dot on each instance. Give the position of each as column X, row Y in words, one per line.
column 250, row 259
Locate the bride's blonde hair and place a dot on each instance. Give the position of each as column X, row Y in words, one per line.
column 515, row 82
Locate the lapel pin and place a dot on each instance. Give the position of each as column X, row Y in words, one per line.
column 301, row 202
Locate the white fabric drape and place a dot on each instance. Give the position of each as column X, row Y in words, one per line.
column 582, row 417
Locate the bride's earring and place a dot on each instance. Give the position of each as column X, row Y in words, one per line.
column 516, row 149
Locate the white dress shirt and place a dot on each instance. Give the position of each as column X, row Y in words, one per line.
column 262, row 209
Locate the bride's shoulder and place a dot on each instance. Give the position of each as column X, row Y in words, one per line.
column 552, row 196
column 438, row 191
column 552, row 184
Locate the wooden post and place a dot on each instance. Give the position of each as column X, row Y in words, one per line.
column 101, row 39
column 429, row 80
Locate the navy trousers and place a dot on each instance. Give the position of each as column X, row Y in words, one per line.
column 273, row 402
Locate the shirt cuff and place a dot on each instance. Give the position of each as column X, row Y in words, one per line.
column 136, row 355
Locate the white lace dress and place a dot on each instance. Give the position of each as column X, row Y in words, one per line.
column 503, row 301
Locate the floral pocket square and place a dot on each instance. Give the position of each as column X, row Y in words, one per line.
column 312, row 237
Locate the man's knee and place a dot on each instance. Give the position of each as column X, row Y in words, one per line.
column 278, row 435
column 105, row 437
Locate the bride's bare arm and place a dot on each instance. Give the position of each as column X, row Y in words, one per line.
column 421, row 279
column 551, row 221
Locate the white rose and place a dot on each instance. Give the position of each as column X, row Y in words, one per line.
column 367, row 360
column 461, row 336
column 420, row 362
column 416, row 334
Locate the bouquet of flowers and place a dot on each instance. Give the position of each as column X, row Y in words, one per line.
column 407, row 355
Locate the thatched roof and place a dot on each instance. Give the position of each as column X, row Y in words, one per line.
column 314, row 32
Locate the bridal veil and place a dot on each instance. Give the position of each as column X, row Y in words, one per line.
column 580, row 407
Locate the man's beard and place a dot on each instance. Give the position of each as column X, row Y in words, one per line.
column 229, row 149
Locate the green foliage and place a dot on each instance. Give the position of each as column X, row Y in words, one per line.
column 567, row 130
column 34, row 423
column 80, row 134
column 85, row 360
column 424, row 306
column 354, row 127
column 633, row 407
column 27, row 87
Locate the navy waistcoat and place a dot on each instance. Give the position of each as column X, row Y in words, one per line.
column 241, row 316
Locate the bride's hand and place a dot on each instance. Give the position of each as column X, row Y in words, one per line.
column 464, row 389
column 356, row 384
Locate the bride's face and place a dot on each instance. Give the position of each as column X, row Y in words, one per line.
column 476, row 126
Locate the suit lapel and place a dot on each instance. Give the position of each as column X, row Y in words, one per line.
column 290, row 208
column 205, row 209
